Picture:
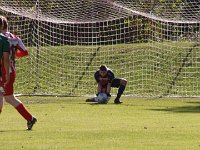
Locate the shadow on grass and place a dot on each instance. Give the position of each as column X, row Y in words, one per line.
column 184, row 109
column 96, row 104
column 194, row 102
column 16, row 131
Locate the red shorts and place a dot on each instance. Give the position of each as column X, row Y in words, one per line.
column 8, row 88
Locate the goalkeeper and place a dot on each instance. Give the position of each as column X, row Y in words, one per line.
column 105, row 79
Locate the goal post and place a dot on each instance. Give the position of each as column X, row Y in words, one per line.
column 153, row 44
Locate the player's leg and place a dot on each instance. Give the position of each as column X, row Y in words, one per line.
column 93, row 99
column 16, row 103
column 19, row 106
column 1, row 94
column 120, row 83
column 1, row 102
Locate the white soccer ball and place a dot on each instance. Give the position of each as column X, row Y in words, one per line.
column 102, row 98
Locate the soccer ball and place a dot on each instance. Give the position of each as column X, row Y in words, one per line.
column 102, row 98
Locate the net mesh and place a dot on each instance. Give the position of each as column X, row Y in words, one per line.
column 153, row 44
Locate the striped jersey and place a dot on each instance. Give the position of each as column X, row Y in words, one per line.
column 17, row 48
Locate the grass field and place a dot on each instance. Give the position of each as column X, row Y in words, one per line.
column 68, row 123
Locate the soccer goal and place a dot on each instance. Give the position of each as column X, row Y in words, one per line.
column 154, row 44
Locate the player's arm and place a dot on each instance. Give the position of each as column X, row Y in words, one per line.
column 110, row 79
column 21, row 49
column 108, row 88
column 99, row 87
column 97, row 78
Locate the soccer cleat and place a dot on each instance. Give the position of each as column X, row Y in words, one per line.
column 117, row 101
column 31, row 123
column 90, row 100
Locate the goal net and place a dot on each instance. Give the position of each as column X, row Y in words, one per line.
column 154, row 44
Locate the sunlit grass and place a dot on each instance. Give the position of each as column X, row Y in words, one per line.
column 157, row 68
column 71, row 123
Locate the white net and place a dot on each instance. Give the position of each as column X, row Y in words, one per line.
column 154, row 44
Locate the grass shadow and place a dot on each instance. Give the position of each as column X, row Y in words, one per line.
column 184, row 109
column 193, row 102
column 15, row 131
column 95, row 103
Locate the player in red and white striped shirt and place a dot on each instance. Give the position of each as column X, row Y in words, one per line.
column 17, row 49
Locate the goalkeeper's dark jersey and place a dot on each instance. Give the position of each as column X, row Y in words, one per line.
column 106, row 79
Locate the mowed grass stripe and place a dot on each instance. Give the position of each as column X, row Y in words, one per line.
column 71, row 123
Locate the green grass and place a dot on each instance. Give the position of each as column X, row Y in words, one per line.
column 68, row 123
column 66, row 67
column 150, row 68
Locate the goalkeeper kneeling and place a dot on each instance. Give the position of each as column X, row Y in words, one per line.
column 105, row 79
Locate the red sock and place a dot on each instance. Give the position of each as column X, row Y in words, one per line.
column 22, row 110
